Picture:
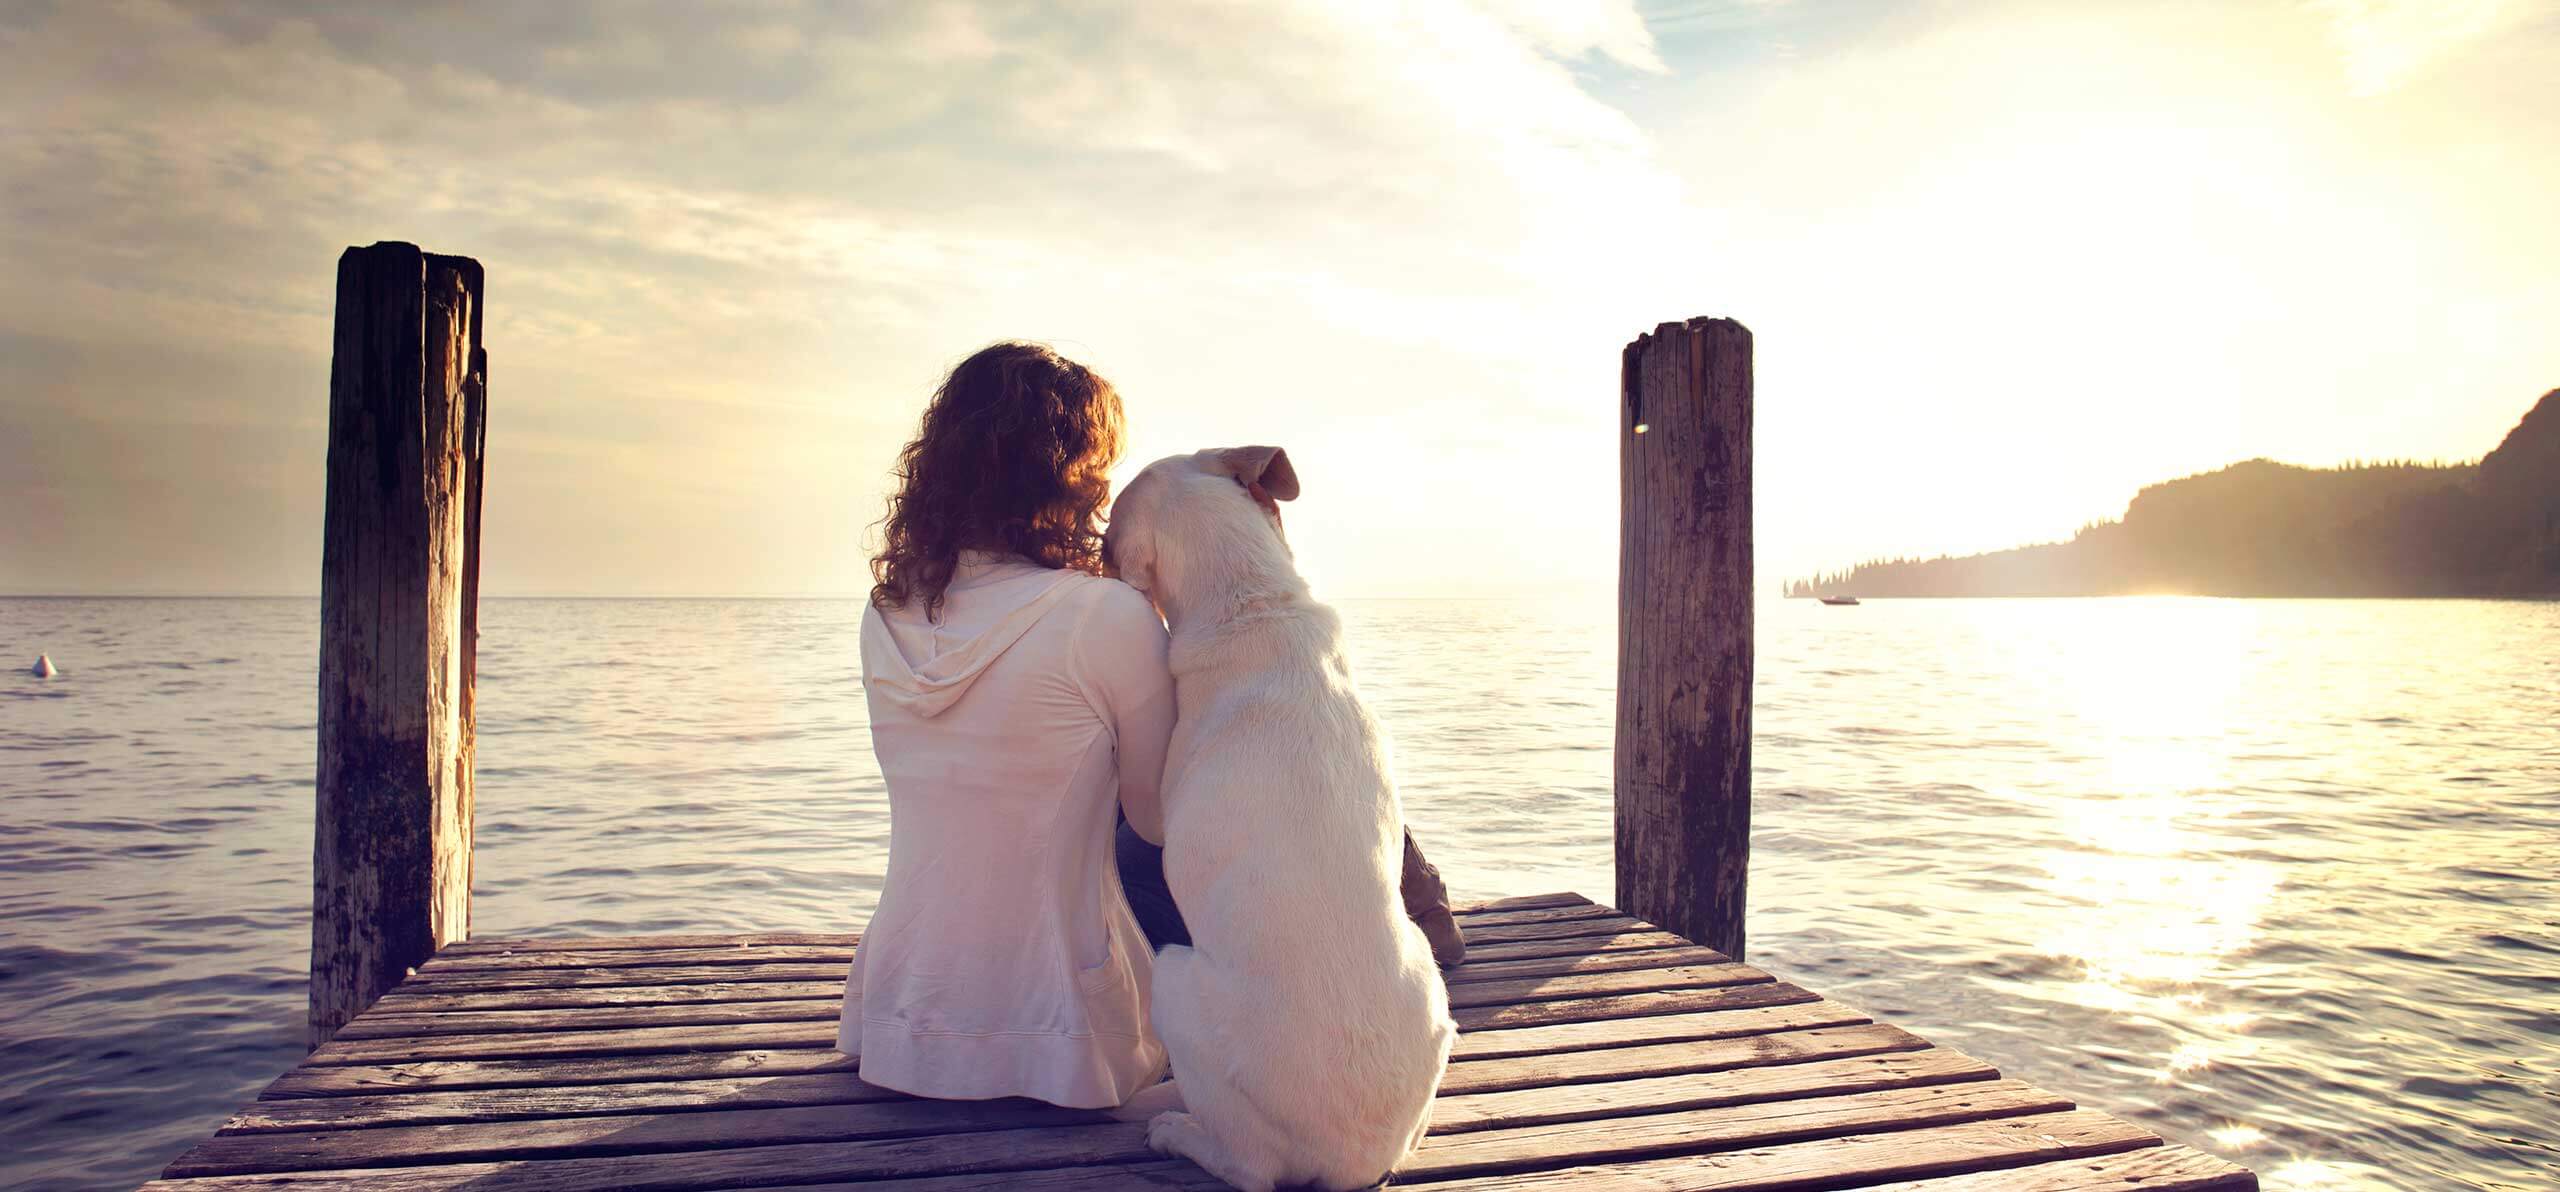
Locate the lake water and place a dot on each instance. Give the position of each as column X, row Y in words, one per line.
column 2270, row 877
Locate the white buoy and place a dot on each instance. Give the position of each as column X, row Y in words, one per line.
column 44, row 668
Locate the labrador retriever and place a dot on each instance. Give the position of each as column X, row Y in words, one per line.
column 1307, row 1024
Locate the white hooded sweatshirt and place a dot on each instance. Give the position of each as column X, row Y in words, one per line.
column 1003, row 959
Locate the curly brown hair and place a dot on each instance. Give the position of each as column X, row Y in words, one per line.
column 1014, row 454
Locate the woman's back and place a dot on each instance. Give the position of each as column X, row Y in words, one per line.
column 1003, row 960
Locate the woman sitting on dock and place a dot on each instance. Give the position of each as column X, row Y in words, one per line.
column 1020, row 703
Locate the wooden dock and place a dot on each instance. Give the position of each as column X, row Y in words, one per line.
column 1598, row 1051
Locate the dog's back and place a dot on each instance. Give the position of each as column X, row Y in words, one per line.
column 1283, row 847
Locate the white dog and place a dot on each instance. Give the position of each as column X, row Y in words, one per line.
column 1307, row 1024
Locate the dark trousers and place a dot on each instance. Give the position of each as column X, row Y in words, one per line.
column 1141, row 864
column 1142, row 879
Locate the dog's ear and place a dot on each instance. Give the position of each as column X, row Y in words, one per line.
column 1266, row 468
column 1129, row 561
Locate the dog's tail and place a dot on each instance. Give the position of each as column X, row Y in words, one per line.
column 1162, row 1097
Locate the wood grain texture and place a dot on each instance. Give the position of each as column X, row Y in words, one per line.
column 428, row 982
column 1701, row 1131
column 817, row 982
column 1642, row 940
column 2151, row 1169
column 1581, row 962
column 1575, row 985
column 1851, row 1161
column 653, row 1040
column 1629, row 1005
column 1703, row 1089
column 1685, row 1071
column 422, row 1108
column 1624, row 1063
column 594, row 1018
column 391, row 842
column 664, row 1133
column 424, row 1076
column 1683, row 759
column 1605, row 1033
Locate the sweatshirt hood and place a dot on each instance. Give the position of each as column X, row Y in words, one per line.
column 923, row 667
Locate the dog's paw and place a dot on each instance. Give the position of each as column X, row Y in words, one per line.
column 1165, row 1132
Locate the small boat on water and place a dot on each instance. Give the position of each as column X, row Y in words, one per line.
column 1839, row 600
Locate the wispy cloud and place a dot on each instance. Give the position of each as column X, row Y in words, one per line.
column 800, row 212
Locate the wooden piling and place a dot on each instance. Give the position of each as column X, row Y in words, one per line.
column 1684, row 630
column 391, row 852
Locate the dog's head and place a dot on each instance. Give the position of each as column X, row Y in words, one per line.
column 1187, row 516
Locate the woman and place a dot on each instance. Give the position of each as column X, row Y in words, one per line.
column 1019, row 701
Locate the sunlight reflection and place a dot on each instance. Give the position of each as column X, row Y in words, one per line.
column 2150, row 906
column 2237, row 1136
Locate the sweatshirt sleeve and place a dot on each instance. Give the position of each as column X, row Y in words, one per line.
column 1121, row 649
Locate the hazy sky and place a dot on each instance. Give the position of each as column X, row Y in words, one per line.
column 2005, row 263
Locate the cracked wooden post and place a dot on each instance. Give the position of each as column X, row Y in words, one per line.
column 1683, row 782
column 399, row 572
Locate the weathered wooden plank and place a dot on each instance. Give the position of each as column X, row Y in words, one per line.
column 1522, row 902
column 1548, row 989
column 1581, row 962
column 1623, row 1063
column 591, row 1018
column 1629, row 941
column 1603, row 1034
column 454, row 962
column 634, row 1041
column 634, row 977
column 1854, row 1160
column 1547, row 1104
column 1631, row 1005
column 1512, row 933
column 1166, row 1175
column 404, row 1002
column 2169, row 1168
column 1701, row 1131
column 728, row 1167
column 1474, row 920
column 839, row 940
column 555, row 1138
column 421, row 1108
column 424, row 1076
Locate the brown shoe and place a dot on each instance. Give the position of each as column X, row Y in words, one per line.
column 1426, row 902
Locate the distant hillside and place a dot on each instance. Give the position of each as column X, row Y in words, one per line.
column 2262, row 528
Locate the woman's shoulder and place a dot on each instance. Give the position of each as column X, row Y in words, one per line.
column 1105, row 606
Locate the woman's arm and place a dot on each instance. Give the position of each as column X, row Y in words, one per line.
column 1122, row 647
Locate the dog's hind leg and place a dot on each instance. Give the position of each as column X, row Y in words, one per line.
column 1220, row 1129
column 1182, row 1135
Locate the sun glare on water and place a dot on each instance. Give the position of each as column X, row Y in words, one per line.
column 2147, row 905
